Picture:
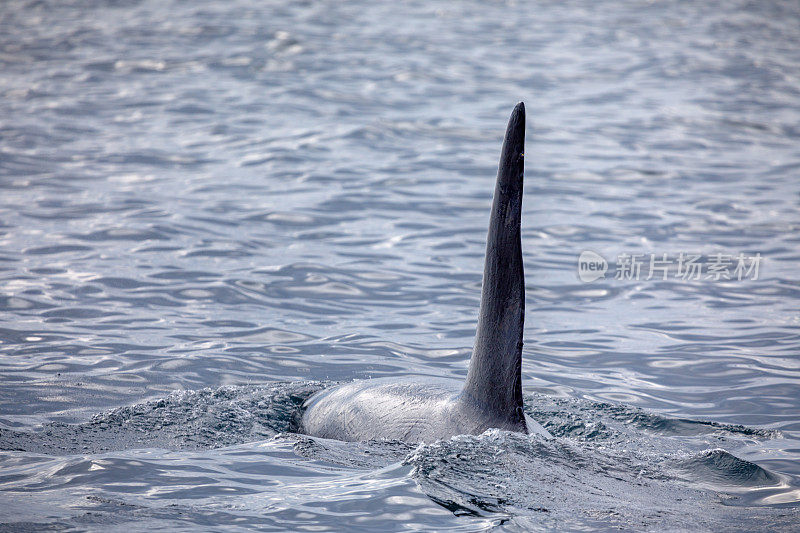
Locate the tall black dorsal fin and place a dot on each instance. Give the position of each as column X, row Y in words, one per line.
column 495, row 377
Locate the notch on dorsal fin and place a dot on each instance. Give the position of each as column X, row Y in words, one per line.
column 494, row 379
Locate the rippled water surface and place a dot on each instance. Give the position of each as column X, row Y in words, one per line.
column 211, row 210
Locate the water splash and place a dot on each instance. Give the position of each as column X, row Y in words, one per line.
column 185, row 420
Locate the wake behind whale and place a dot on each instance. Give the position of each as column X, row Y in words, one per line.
column 491, row 397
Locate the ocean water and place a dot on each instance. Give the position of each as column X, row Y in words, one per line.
column 211, row 210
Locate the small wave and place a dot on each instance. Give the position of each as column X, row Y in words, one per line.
column 562, row 484
column 499, row 472
column 185, row 420
column 594, row 421
column 371, row 454
column 740, row 482
column 721, row 468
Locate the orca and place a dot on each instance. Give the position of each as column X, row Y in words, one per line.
column 430, row 409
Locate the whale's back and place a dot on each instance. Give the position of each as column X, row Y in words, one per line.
column 391, row 409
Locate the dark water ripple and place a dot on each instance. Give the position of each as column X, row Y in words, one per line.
column 208, row 209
